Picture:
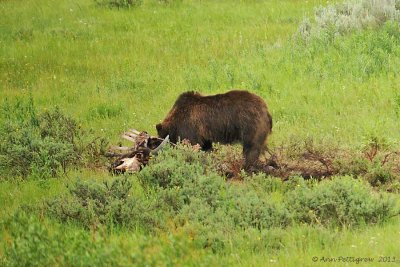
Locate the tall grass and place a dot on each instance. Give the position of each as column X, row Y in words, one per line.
column 124, row 68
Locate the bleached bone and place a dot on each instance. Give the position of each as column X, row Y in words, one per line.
column 134, row 131
column 128, row 138
column 129, row 164
column 131, row 134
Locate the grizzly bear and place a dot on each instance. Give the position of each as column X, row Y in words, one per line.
column 236, row 116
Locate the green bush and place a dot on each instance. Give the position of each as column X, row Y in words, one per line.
column 250, row 208
column 181, row 175
column 378, row 175
column 373, row 171
column 343, row 18
column 41, row 144
column 174, row 167
column 109, row 203
column 375, row 163
column 202, row 201
column 342, row 201
column 238, row 208
column 198, row 196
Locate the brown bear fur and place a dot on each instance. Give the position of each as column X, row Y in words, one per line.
column 236, row 116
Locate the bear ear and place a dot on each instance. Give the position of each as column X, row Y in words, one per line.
column 159, row 127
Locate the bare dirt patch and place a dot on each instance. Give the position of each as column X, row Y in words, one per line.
column 308, row 160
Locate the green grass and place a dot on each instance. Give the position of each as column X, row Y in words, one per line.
column 301, row 244
column 115, row 69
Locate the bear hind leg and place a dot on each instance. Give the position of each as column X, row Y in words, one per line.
column 251, row 154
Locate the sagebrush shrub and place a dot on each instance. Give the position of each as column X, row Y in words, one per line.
column 342, row 201
column 340, row 19
column 375, row 163
column 174, row 167
column 214, row 219
column 378, row 175
column 196, row 194
column 42, row 144
column 203, row 203
column 108, row 203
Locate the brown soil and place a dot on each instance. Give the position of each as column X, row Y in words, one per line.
column 308, row 162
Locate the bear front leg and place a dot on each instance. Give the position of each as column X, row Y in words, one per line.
column 206, row 146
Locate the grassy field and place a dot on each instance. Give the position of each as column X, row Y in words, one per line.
column 115, row 69
column 112, row 69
